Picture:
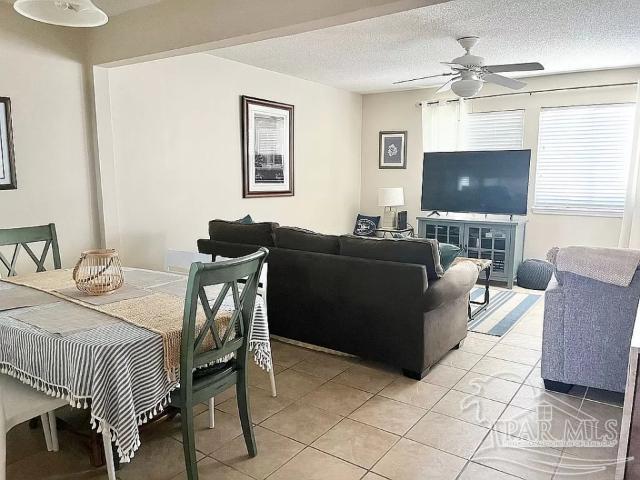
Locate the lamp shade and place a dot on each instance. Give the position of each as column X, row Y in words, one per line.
column 66, row 13
column 391, row 197
column 466, row 87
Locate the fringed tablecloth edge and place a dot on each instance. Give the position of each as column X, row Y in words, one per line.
column 82, row 402
column 261, row 353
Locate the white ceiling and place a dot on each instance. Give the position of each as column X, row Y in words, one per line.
column 367, row 56
column 116, row 7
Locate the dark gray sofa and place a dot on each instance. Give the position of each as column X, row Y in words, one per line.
column 385, row 300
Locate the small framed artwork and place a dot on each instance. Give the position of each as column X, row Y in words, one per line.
column 267, row 148
column 7, row 161
column 393, row 150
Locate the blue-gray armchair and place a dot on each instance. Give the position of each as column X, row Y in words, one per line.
column 588, row 325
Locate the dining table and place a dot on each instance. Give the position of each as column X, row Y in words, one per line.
column 93, row 352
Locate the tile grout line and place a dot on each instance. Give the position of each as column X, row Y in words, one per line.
column 491, row 429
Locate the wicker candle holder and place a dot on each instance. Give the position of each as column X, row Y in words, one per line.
column 98, row 272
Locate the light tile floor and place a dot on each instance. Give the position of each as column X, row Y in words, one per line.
column 475, row 416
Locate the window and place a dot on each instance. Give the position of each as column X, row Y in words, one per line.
column 494, row 130
column 583, row 154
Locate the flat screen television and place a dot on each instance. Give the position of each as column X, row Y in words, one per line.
column 494, row 181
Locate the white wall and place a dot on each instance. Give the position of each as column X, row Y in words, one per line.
column 175, row 125
column 398, row 111
column 42, row 73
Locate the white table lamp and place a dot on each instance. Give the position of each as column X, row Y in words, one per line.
column 390, row 199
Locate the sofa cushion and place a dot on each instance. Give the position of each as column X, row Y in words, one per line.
column 421, row 251
column 448, row 253
column 234, row 232
column 301, row 239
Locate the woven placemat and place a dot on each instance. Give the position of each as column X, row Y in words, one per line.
column 17, row 296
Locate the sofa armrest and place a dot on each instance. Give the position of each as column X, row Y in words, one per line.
column 457, row 281
column 226, row 249
column 206, row 245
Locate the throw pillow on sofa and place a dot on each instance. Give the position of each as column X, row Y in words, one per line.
column 366, row 225
column 246, row 220
column 421, row 251
column 448, row 253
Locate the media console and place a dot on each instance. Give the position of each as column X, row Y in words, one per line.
column 496, row 240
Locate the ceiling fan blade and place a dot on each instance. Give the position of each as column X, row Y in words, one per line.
column 446, row 86
column 503, row 81
column 423, row 78
column 514, row 67
column 453, row 63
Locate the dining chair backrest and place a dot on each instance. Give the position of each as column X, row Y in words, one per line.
column 262, row 282
column 23, row 238
column 228, row 275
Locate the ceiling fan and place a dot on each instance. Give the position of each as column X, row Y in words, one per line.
column 470, row 72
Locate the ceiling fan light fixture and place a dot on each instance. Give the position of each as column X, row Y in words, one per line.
column 466, row 87
column 65, row 13
column 470, row 72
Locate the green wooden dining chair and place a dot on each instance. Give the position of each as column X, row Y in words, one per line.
column 22, row 238
column 206, row 372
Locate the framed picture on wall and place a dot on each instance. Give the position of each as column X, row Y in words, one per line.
column 267, row 146
column 393, row 150
column 7, row 161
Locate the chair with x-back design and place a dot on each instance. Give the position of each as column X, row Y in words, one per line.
column 211, row 362
column 23, row 238
column 20, row 402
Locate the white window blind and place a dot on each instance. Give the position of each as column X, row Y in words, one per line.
column 494, row 130
column 583, row 153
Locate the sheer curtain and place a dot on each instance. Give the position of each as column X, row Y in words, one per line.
column 630, row 233
column 442, row 125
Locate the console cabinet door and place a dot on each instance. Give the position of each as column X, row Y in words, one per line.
column 490, row 242
column 452, row 233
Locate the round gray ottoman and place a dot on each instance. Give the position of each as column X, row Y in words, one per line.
column 534, row 274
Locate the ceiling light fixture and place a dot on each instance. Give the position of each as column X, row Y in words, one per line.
column 468, row 86
column 66, row 13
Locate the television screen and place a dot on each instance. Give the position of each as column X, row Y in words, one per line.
column 479, row 182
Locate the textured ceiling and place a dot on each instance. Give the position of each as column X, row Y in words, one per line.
column 116, row 7
column 367, row 56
